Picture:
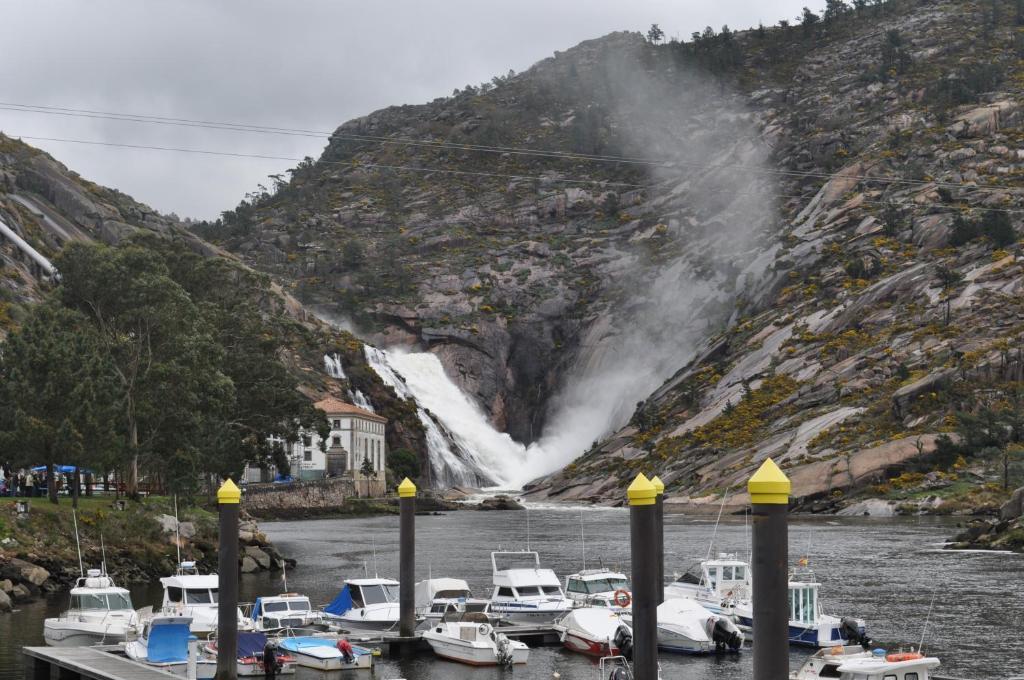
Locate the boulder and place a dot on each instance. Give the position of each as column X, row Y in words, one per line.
column 167, row 523
column 187, row 530
column 902, row 398
column 20, row 593
column 499, row 503
column 261, row 558
column 28, row 572
column 6, row 586
column 249, row 565
column 1013, row 508
column 5, row 602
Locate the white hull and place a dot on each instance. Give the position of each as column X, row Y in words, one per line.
column 670, row 639
column 467, row 653
column 67, row 634
column 520, row 615
column 333, row 663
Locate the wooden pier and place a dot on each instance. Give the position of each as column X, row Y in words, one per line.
column 80, row 663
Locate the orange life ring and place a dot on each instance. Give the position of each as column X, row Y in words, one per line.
column 622, row 598
column 903, row 656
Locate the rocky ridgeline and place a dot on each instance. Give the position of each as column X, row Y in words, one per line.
column 1006, row 532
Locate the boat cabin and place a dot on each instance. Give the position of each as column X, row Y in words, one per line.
column 726, row 575
column 97, row 592
column 595, row 584
column 519, row 576
column 804, row 607
column 366, row 592
column 288, row 610
column 882, row 666
column 190, row 590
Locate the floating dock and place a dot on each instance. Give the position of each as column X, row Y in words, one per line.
column 79, row 663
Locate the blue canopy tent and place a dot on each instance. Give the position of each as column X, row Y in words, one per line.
column 251, row 644
column 340, row 604
column 63, row 469
column 168, row 642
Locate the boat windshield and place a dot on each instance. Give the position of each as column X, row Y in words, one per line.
column 604, row 585
column 271, row 607
column 299, row 605
column 102, row 601
column 552, row 590
column 203, row 596
column 379, row 594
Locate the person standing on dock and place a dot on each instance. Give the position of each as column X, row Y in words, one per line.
column 270, row 660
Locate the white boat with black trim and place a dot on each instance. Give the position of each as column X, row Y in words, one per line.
column 856, row 663
column 595, row 631
column 287, row 610
column 524, row 592
column 99, row 613
column 470, row 639
column 189, row 593
column 599, row 588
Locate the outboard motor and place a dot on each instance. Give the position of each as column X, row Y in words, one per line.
column 726, row 635
column 624, row 641
column 850, row 630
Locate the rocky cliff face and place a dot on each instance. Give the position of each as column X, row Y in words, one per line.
column 819, row 223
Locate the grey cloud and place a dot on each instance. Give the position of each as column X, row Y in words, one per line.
column 312, row 65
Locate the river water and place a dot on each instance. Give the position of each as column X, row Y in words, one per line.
column 887, row 571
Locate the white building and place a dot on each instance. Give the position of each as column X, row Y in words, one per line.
column 357, row 435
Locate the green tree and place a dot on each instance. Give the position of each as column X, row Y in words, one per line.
column 57, row 402
column 834, row 9
column 655, row 34
column 949, row 279
column 809, row 22
column 404, row 463
column 162, row 353
column 997, row 226
column 352, row 254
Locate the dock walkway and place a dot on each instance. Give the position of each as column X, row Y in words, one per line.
column 79, row 663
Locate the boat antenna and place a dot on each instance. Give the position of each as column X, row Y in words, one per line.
column 924, row 631
column 746, row 534
column 583, row 540
column 177, row 535
column 527, row 529
column 714, row 533
column 373, row 542
column 103, row 554
column 284, row 574
column 78, row 545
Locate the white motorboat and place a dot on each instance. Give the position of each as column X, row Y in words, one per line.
column 523, row 591
column 250, row 655
column 366, row 604
column 809, row 625
column 888, row 666
column 99, row 613
column 322, row 653
column 189, row 593
column 164, row 643
column 439, row 596
column 595, row 631
column 469, row 639
column 287, row 610
column 599, row 588
column 686, row 627
column 716, row 584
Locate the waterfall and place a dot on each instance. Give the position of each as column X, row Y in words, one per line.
column 455, row 459
column 360, row 400
column 332, row 364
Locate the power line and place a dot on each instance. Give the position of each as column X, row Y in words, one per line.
column 403, row 141
column 355, row 165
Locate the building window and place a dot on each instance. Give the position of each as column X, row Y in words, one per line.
column 337, row 424
column 307, row 455
column 307, row 440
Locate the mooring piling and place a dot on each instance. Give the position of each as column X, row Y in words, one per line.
column 659, row 544
column 642, row 544
column 407, row 558
column 228, row 499
column 769, row 497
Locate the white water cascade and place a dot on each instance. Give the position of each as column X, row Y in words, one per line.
column 332, row 364
column 464, row 448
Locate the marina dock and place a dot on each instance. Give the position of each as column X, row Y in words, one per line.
column 79, row 663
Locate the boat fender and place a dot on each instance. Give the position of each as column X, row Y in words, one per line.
column 622, row 598
column 903, row 656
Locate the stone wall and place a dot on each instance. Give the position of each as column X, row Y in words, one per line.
column 315, row 497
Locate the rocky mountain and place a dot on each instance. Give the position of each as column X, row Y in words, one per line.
column 811, row 230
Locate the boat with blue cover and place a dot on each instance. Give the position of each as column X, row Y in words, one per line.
column 251, row 646
column 164, row 643
column 322, row 653
column 366, row 604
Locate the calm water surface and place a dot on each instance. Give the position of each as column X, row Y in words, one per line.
column 886, row 571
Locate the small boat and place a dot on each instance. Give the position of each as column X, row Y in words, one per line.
column 99, row 613
column 250, row 655
column 439, row 596
column 365, row 604
column 599, row 588
column 287, row 610
column 809, row 625
column 164, row 643
column 189, row 593
column 686, row 627
column 595, row 631
column 855, row 663
column 322, row 653
column 470, row 639
column 716, row 584
column 523, row 591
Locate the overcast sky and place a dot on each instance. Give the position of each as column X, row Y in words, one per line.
column 310, row 64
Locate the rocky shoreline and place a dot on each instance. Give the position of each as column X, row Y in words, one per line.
column 1005, row 532
column 140, row 544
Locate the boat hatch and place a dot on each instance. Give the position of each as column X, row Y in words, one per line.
column 727, row 574
column 803, row 603
column 101, row 601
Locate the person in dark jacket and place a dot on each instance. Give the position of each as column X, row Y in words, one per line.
column 270, row 660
